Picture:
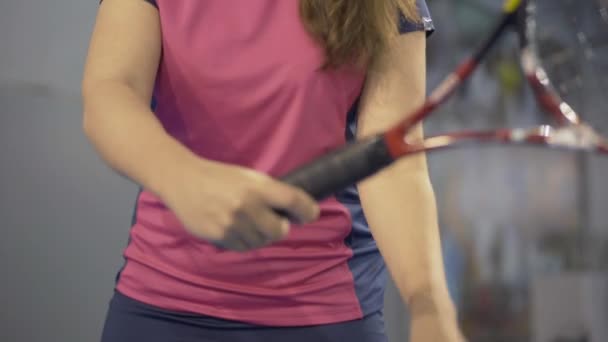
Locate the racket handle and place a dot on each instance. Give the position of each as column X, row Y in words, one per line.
column 341, row 168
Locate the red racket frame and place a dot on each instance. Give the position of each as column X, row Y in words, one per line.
column 358, row 160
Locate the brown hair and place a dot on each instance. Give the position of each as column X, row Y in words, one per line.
column 354, row 31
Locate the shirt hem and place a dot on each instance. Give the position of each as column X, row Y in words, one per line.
column 326, row 317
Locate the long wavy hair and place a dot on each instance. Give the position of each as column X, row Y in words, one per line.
column 354, row 31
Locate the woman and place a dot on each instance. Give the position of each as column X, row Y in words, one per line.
column 245, row 91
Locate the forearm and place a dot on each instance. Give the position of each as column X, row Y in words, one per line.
column 128, row 136
column 400, row 208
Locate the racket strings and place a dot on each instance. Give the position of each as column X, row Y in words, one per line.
column 570, row 40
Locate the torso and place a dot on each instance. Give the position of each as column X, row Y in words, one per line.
column 240, row 82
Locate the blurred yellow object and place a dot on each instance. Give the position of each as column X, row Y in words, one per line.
column 509, row 75
column 512, row 5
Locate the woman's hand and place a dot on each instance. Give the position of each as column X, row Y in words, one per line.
column 435, row 328
column 434, row 319
column 227, row 205
column 235, row 207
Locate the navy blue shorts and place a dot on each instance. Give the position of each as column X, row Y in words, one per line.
column 132, row 321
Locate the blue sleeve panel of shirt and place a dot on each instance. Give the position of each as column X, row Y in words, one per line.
column 424, row 24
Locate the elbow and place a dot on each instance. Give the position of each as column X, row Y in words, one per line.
column 402, row 176
column 86, row 124
column 93, row 91
column 87, row 127
column 89, row 91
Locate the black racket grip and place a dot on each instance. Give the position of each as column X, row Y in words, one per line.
column 341, row 168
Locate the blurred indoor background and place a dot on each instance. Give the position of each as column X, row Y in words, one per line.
column 524, row 230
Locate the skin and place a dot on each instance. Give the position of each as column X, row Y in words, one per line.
column 228, row 205
column 232, row 206
column 399, row 202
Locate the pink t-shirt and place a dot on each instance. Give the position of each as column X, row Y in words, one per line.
column 239, row 82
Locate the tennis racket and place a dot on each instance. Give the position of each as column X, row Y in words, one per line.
column 540, row 62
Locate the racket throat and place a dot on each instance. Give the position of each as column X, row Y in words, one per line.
column 544, row 92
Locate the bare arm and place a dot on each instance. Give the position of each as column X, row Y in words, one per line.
column 229, row 205
column 399, row 202
column 117, row 87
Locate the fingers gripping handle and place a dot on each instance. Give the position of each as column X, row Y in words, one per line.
column 341, row 168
